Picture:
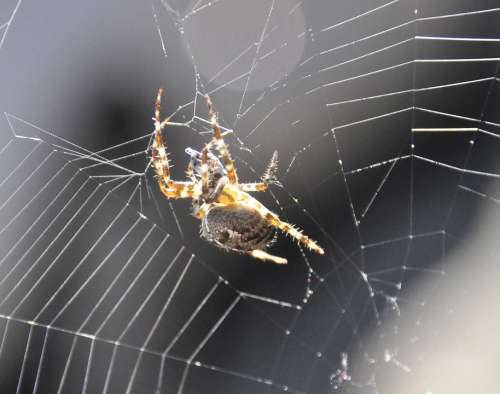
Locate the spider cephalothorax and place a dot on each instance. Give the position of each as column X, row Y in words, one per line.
column 230, row 217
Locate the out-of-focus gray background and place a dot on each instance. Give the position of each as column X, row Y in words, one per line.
column 96, row 298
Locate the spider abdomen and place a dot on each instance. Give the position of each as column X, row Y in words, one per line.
column 237, row 228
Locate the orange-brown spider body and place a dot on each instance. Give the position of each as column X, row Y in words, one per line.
column 230, row 217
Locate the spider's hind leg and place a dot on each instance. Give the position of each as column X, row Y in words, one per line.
column 287, row 228
column 295, row 233
column 264, row 256
column 274, row 221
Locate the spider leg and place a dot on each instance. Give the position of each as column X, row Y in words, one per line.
column 204, row 178
column 273, row 220
column 295, row 233
column 202, row 211
column 159, row 160
column 221, row 145
column 179, row 189
column 261, row 255
column 204, row 171
column 190, row 172
column 254, row 187
column 218, row 188
column 270, row 174
column 268, row 177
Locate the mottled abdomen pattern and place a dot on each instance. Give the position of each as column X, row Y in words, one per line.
column 237, row 228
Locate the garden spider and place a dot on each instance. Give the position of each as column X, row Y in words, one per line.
column 230, row 218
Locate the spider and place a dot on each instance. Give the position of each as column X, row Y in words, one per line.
column 230, row 217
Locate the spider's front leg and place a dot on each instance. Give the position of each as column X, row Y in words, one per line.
column 221, row 145
column 159, row 160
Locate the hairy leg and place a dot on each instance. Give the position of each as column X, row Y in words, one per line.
column 221, row 145
column 268, row 177
column 254, row 187
column 273, row 220
column 159, row 161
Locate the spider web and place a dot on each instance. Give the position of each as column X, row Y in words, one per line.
column 384, row 118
